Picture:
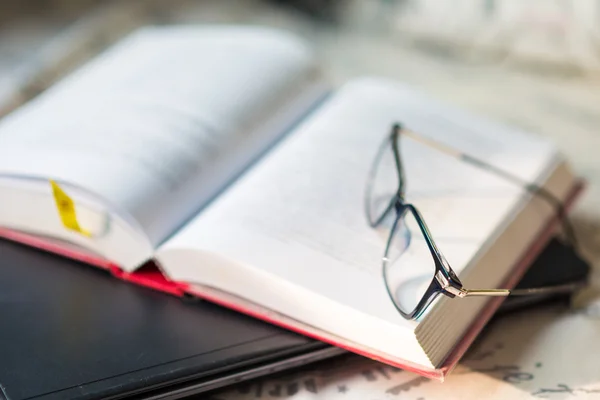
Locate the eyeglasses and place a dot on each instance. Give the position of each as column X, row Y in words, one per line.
column 414, row 270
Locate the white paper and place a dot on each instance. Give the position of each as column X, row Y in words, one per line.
column 164, row 119
column 547, row 354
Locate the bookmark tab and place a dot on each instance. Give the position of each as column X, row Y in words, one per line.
column 66, row 209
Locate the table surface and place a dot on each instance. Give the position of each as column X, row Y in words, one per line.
column 550, row 353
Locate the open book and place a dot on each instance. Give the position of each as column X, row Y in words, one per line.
column 215, row 162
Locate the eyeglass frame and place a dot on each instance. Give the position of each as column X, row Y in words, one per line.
column 445, row 281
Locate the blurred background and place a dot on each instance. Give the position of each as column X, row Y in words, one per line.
column 533, row 64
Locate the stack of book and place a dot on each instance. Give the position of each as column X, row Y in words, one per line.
column 218, row 162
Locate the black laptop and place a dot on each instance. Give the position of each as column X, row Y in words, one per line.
column 71, row 331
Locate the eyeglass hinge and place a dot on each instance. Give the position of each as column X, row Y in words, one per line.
column 447, row 285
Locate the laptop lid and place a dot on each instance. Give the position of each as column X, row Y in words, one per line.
column 72, row 331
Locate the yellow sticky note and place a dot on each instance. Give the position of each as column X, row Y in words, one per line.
column 66, row 209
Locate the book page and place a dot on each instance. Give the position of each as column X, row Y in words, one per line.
column 162, row 121
column 299, row 214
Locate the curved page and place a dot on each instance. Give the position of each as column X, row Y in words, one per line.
column 161, row 122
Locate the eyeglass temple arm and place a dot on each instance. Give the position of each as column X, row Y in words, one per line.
column 564, row 288
column 548, row 196
column 465, row 157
